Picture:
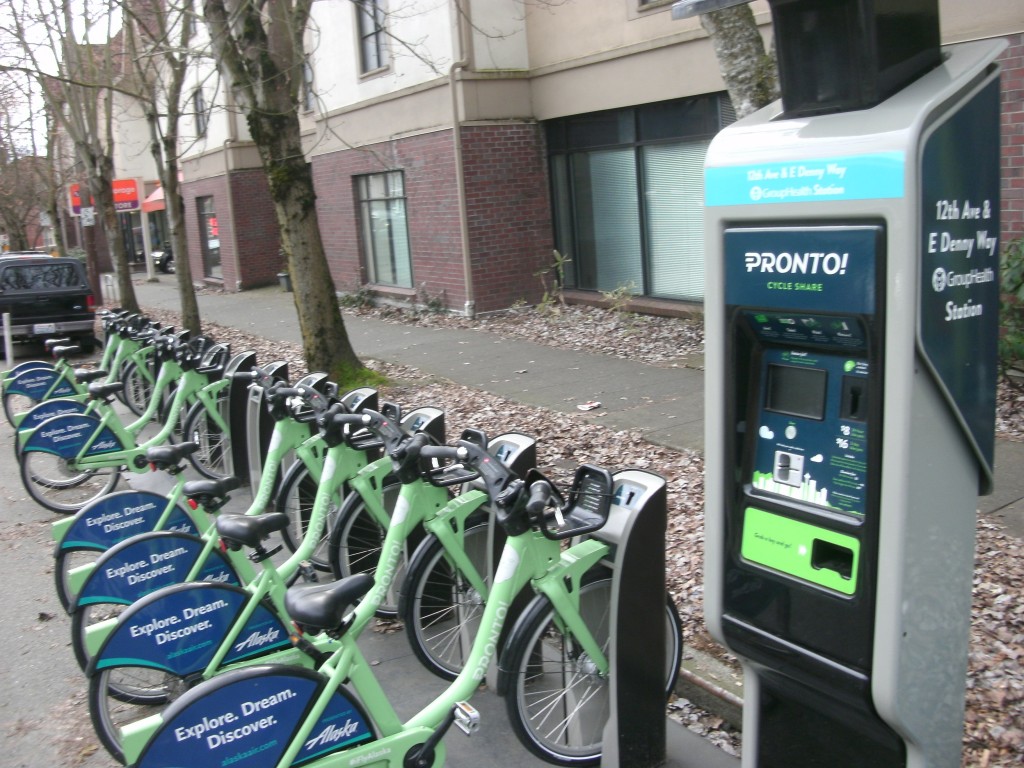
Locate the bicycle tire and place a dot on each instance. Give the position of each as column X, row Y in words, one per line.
column 66, row 561
column 110, row 709
column 557, row 704
column 356, row 541
column 440, row 609
column 213, row 459
column 178, row 431
column 15, row 404
column 295, row 499
column 84, row 617
column 136, row 389
column 54, row 486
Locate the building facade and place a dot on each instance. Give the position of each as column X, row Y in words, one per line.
column 456, row 147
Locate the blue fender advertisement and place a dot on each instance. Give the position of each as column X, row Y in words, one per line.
column 37, row 383
column 249, row 717
column 66, row 436
column 148, row 562
column 47, row 410
column 179, row 629
column 28, row 365
column 118, row 516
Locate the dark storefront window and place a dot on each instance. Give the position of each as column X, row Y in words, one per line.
column 628, row 194
column 209, row 237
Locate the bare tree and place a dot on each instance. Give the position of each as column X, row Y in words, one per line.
column 77, row 79
column 158, row 42
column 21, row 195
column 260, row 50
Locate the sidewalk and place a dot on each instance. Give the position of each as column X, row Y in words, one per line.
column 665, row 404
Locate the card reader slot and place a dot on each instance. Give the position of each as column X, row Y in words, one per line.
column 854, row 404
column 833, row 557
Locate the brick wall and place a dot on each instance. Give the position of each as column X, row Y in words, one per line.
column 259, row 238
column 256, row 261
column 1012, row 190
column 507, row 207
column 509, row 212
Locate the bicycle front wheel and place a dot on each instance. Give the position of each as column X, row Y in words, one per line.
column 213, row 459
column 112, row 708
column 136, row 389
column 55, row 485
column 356, row 542
column 557, row 701
column 439, row 607
column 295, row 499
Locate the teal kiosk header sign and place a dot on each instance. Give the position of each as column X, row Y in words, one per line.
column 852, row 319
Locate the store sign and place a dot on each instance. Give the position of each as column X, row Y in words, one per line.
column 127, row 196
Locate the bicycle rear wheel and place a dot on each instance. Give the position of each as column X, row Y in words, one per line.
column 83, row 618
column 16, row 404
column 356, row 541
column 557, row 702
column 55, row 485
column 439, row 606
column 111, row 708
column 64, row 563
column 213, row 459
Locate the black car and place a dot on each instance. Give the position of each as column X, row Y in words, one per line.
column 47, row 296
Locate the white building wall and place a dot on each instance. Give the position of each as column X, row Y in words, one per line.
column 498, row 35
column 132, row 158
column 419, row 51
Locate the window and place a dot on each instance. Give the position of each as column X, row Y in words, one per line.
column 370, row 22
column 384, row 231
column 209, row 237
column 202, row 115
column 628, row 194
column 308, row 94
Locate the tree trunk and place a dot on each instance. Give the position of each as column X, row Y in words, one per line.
column 324, row 338
column 182, row 265
column 749, row 71
column 101, row 187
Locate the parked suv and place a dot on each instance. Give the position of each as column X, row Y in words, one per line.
column 47, row 296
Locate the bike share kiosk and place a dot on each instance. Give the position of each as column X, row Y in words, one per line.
column 852, row 318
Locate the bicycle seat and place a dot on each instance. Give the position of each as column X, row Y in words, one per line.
column 170, row 455
column 195, row 489
column 250, row 530
column 62, row 351
column 324, row 606
column 99, row 390
column 85, row 375
column 49, row 344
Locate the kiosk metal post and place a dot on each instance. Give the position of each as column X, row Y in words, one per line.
column 852, row 318
column 238, row 398
column 260, row 425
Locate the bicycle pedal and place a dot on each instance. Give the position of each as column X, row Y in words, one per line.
column 467, row 718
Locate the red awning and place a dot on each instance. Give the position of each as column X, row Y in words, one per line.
column 155, row 201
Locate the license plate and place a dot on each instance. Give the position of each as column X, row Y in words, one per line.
column 41, row 328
